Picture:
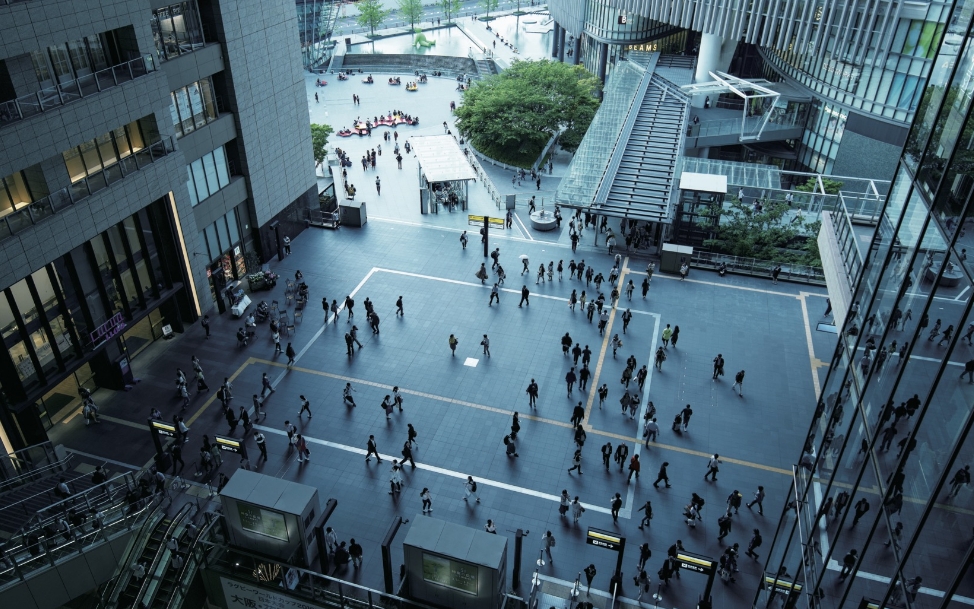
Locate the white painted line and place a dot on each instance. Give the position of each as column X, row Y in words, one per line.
column 442, row 471
column 631, row 495
column 521, row 222
column 964, row 600
column 471, row 361
column 961, row 295
column 321, row 330
column 97, row 458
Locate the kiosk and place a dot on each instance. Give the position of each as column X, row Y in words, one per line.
column 444, row 173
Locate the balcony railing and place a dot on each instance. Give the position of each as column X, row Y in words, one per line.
column 65, row 93
column 57, row 201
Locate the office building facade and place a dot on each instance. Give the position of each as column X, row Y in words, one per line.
column 892, row 432
column 863, row 62
column 150, row 152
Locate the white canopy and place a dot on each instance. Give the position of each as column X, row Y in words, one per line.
column 441, row 158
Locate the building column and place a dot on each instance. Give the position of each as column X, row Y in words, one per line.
column 603, row 62
column 708, row 60
column 561, row 46
column 577, row 50
column 555, row 34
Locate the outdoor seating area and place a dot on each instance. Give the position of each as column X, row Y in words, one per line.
column 391, row 120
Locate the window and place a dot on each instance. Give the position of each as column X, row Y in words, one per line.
column 105, row 150
column 208, row 175
column 14, row 193
column 193, row 106
column 176, row 29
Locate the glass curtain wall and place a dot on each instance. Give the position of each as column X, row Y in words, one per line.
column 176, row 29
column 892, row 434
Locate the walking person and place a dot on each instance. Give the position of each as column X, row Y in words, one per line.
column 633, row 468
column 453, row 345
column 305, row 407
column 261, row 445
column 754, row 543
column 650, row 430
column 738, row 384
column 577, row 510
column 290, row 354
column 647, row 511
column 347, row 398
column 576, row 462
column 570, row 379
column 606, row 454
column 427, row 498
column 713, row 467
column 486, row 345
column 265, row 383
column 660, row 358
column 590, row 572
column 524, row 296
column 615, row 506
column 548, row 542
column 470, row 488
column 687, row 413
column 621, row 455
column 759, row 500
column 372, row 449
column 718, row 366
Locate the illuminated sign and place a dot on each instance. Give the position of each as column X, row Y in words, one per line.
column 479, row 221
column 111, row 328
column 603, row 539
column 444, row 571
column 623, row 19
column 782, row 585
column 695, row 562
column 263, row 522
column 161, row 427
column 229, row 444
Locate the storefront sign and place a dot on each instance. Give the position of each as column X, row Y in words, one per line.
column 246, row 596
column 111, row 328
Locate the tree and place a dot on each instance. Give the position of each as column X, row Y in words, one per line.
column 411, row 10
column 488, row 5
column 371, row 14
column 319, row 139
column 765, row 235
column 511, row 116
column 451, row 8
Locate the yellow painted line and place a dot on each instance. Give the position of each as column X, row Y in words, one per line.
column 593, row 390
column 111, row 419
column 212, row 398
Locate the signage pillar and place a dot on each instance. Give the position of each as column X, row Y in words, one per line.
column 518, row 547
column 387, row 554
column 486, row 233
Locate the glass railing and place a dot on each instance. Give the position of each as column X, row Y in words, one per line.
column 57, row 201
column 762, row 268
column 748, row 126
column 49, row 98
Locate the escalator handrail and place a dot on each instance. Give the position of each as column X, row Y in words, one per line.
column 190, row 548
column 138, row 541
column 188, row 508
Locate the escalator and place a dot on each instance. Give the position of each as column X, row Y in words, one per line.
column 154, row 543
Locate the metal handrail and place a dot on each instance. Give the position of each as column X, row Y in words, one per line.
column 193, row 561
column 138, row 542
column 49, row 98
column 734, row 126
column 753, row 266
column 70, row 482
column 30, row 476
column 177, row 520
column 35, row 212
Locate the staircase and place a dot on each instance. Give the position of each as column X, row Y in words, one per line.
column 485, row 67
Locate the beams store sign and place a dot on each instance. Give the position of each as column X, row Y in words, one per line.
column 108, row 330
column 238, row 595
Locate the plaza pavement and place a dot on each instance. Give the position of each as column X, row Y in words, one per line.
column 461, row 406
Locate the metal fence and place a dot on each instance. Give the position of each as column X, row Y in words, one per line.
column 762, row 268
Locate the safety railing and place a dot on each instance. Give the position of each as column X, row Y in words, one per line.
column 49, row 98
column 58, row 201
column 750, row 125
column 35, row 474
column 30, row 555
column 848, row 242
column 135, row 547
column 762, row 268
column 23, row 461
column 193, row 563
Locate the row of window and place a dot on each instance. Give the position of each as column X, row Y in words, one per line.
column 106, row 150
column 177, row 29
column 61, row 63
column 221, row 236
column 14, row 193
column 193, row 106
column 207, row 175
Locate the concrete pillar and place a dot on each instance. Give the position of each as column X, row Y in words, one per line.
column 708, row 60
column 577, row 50
column 603, row 62
column 555, row 34
column 561, row 46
